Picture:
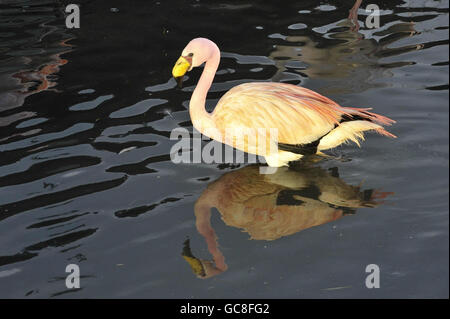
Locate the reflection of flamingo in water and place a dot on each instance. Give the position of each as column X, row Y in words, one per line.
column 28, row 82
column 43, row 74
column 271, row 206
column 349, row 66
column 35, row 81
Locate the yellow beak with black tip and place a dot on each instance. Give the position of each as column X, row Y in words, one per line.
column 179, row 70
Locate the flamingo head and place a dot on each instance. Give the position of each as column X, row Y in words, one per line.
column 196, row 52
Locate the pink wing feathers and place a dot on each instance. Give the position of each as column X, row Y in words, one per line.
column 300, row 115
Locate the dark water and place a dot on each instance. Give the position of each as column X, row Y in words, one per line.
column 86, row 177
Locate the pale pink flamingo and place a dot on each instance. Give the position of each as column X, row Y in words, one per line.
column 306, row 122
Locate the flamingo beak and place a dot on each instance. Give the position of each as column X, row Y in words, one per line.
column 179, row 70
column 196, row 264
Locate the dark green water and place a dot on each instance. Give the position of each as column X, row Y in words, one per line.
column 71, row 102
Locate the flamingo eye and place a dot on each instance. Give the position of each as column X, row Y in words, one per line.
column 191, row 55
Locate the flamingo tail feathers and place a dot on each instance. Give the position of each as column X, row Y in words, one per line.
column 364, row 113
column 352, row 129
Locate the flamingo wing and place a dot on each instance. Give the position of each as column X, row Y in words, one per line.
column 301, row 116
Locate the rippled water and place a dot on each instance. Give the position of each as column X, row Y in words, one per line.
column 86, row 176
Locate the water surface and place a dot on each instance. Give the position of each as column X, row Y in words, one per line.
column 86, row 176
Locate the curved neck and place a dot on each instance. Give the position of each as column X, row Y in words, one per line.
column 202, row 209
column 201, row 119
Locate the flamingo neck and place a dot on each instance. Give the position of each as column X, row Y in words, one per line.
column 201, row 119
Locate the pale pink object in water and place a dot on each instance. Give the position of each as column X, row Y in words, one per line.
column 306, row 122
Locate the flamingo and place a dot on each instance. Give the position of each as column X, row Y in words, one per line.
column 305, row 122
